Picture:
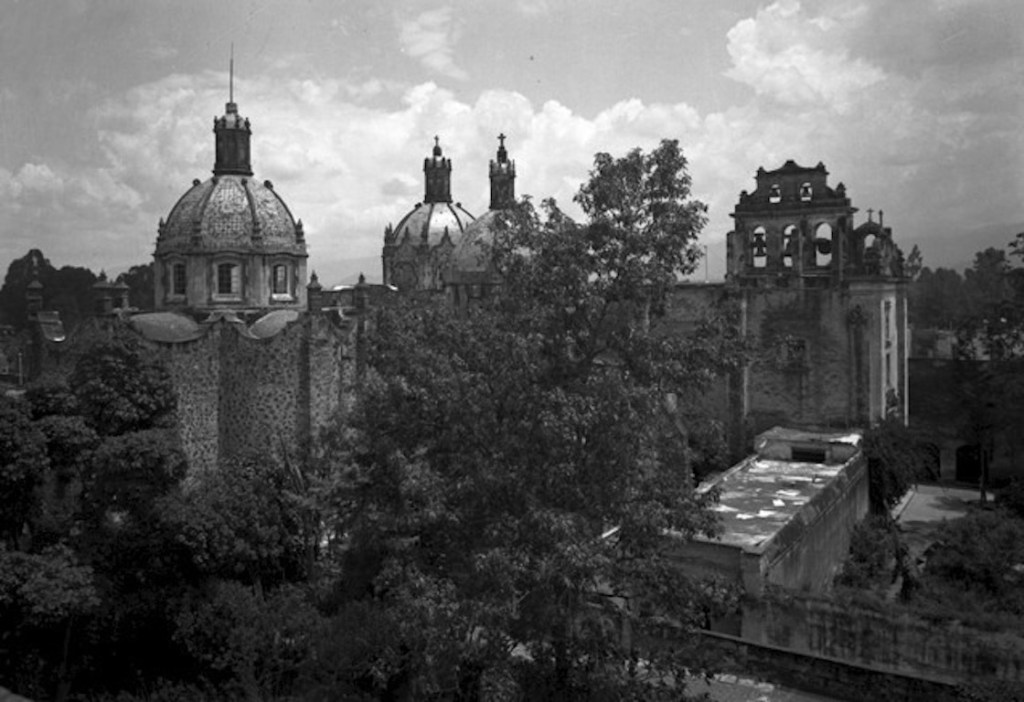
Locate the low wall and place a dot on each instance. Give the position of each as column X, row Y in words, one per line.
column 828, row 676
column 889, row 640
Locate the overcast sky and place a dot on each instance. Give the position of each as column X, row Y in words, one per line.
column 106, row 109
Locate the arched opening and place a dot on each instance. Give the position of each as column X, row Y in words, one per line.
column 759, row 247
column 775, row 194
column 823, row 245
column 805, row 192
column 968, row 463
column 871, row 255
column 789, row 245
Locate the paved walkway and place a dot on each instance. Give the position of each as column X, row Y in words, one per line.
column 924, row 508
column 733, row 688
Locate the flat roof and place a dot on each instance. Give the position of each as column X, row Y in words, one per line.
column 760, row 496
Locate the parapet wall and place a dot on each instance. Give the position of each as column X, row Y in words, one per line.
column 886, row 639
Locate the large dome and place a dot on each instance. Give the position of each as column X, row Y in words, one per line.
column 230, row 213
column 472, row 252
column 431, row 223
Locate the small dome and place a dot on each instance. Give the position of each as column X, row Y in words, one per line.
column 230, row 213
column 430, row 222
column 472, row 251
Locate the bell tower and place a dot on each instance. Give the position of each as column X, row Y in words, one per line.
column 437, row 172
column 503, row 178
column 791, row 231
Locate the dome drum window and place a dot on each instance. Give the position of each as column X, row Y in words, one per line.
column 228, row 281
column 280, row 282
column 179, row 279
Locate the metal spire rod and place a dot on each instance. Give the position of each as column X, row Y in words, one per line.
column 231, row 75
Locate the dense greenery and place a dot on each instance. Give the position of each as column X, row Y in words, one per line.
column 487, row 522
column 897, row 460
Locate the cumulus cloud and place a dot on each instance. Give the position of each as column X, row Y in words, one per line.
column 798, row 59
column 430, row 38
column 346, row 155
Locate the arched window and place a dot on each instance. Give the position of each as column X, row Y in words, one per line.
column 229, row 279
column 775, row 194
column 759, row 247
column 280, row 280
column 179, row 279
column 805, row 192
column 789, row 245
column 823, row 245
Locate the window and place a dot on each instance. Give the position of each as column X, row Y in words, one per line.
column 823, row 245
column 228, row 279
column 774, row 194
column 279, row 280
column 178, row 280
column 805, row 192
column 789, row 245
column 759, row 247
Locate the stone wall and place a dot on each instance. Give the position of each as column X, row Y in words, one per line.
column 807, row 551
column 886, row 639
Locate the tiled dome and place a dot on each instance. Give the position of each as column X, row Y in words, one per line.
column 472, row 250
column 230, row 213
column 431, row 222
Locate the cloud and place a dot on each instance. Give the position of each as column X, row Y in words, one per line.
column 797, row 59
column 430, row 38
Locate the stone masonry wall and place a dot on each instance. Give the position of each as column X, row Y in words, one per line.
column 889, row 640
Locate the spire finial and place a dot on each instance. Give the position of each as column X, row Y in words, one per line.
column 871, row 212
column 881, row 214
column 437, row 145
column 231, row 75
column 502, row 153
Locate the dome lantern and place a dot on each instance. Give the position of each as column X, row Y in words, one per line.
column 232, row 136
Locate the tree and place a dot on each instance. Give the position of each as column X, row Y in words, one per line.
column 511, row 471
column 87, row 547
column 140, row 282
column 68, row 290
column 896, row 459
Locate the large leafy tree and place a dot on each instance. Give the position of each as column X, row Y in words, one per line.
column 67, row 290
column 508, row 478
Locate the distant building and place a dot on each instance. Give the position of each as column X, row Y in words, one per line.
column 787, row 512
column 417, row 251
column 230, row 242
column 825, row 301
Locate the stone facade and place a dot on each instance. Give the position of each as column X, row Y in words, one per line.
column 787, row 513
column 824, row 303
column 417, row 252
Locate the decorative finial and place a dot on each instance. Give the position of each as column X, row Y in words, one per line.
column 870, row 213
column 437, row 145
column 881, row 214
column 502, row 153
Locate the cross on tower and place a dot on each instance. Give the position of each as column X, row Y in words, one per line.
column 501, row 139
column 870, row 212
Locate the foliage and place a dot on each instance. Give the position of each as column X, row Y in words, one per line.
column 119, row 389
column 511, row 471
column 981, row 558
column 67, row 290
column 1011, row 498
column 141, row 284
column 240, row 522
column 897, row 459
column 22, row 465
column 876, row 551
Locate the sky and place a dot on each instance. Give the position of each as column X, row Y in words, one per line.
column 106, row 110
